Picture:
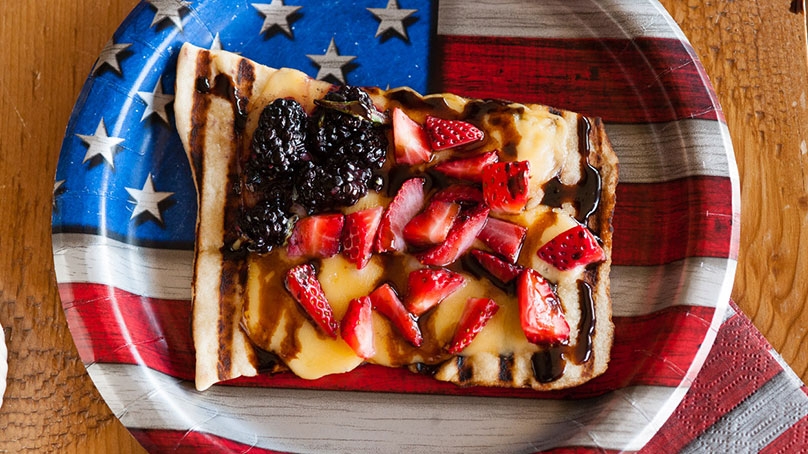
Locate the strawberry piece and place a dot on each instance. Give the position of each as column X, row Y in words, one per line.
column 475, row 316
column 356, row 327
column 505, row 186
column 317, row 236
column 358, row 235
column 470, row 169
column 427, row 287
column 445, row 134
column 459, row 193
column 500, row 269
column 301, row 282
column 574, row 247
column 408, row 201
column 409, row 139
column 432, row 225
column 386, row 301
column 504, row 237
column 461, row 236
column 540, row 311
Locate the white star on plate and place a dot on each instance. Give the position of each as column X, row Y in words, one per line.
column 168, row 9
column 331, row 63
column 392, row 19
column 100, row 144
column 56, row 185
column 276, row 14
column 147, row 200
column 109, row 57
column 156, row 102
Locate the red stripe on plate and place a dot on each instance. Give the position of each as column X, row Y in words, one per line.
column 113, row 326
column 110, row 325
column 181, row 441
column 792, row 440
column 659, row 223
column 719, row 388
column 643, row 80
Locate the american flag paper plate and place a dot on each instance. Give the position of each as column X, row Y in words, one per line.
column 125, row 207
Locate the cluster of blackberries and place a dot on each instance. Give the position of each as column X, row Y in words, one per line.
column 318, row 163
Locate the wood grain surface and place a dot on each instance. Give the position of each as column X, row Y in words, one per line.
column 754, row 54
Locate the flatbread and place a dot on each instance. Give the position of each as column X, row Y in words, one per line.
column 242, row 311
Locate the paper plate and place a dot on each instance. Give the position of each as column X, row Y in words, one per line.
column 125, row 207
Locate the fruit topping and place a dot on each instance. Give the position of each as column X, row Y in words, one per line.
column 301, row 282
column 470, row 169
column 505, row 186
column 445, row 134
column 386, row 301
column 356, row 327
column 359, row 234
column 431, row 225
column 408, row 201
column 459, row 193
column 427, row 287
column 460, row 238
column 409, row 139
column 500, row 269
column 317, row 236
column 540, row 312
column 574, row 247
column 503, row 237
column 475, row 316
column 265, row 226
column 279, row 141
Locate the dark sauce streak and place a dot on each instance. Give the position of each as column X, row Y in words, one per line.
column 585, row 195
column 549, row 364
column 583, row 347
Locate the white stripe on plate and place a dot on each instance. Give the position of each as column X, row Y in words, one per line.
column 658, row 152
column 758, row 420
column 557, row 19
column 333, row 421
column 167, row 274
column 150, row 272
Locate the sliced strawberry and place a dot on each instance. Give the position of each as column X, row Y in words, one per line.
column 409, row 139
column 317, row 236
column 445, row 134
column 427, row 287
column 505, row 186
column 431, row 225
column 356, row 327
column 540, row 311
column 459, row 193
column 505, row 238
column 301, row 282
column 500, row 269
column 461, row 236
column 475, row 316
column 470, row 169
column 359, row 234
column 408, row 201
column 574, row 247
column 386, row 301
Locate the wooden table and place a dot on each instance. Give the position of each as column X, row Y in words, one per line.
column 754, row 53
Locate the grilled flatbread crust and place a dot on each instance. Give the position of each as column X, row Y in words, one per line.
column 219, row 97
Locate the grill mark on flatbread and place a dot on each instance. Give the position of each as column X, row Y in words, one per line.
column 199, row 116
column 506, row 368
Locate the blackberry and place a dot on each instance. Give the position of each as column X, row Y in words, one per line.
column 328, row 187
column 266, row 225
column 279, row 141
column 346, row 126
